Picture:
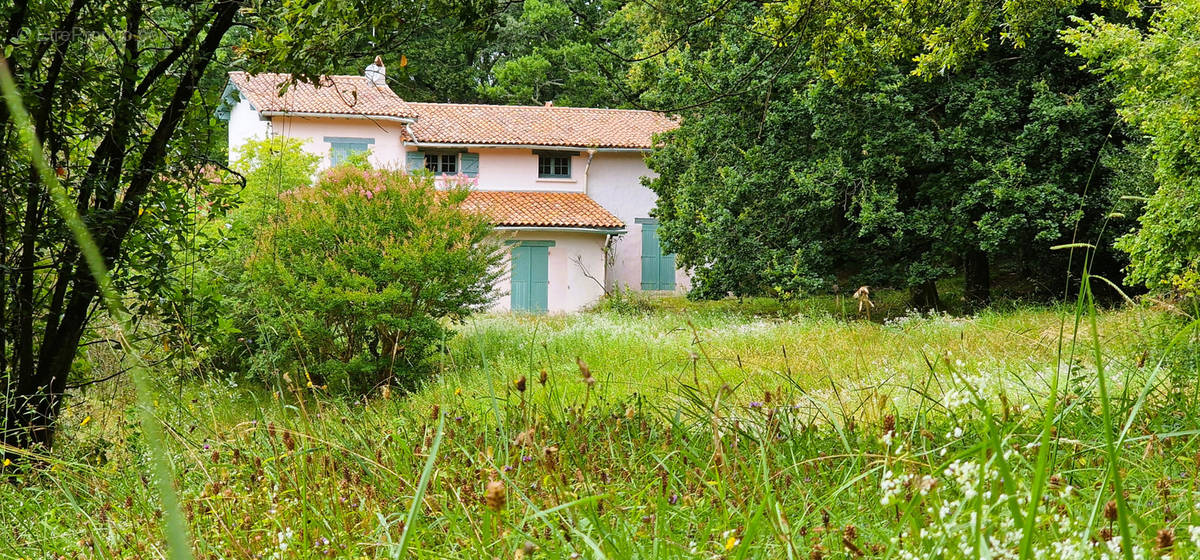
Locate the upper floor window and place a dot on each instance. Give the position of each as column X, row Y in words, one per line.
column 442, row 164
column 342, row 148
column 554, row 166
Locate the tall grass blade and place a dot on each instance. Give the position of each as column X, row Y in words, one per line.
column 411, row 519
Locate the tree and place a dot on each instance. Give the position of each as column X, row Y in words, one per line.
column 554, row 50
column 1156, row 72
column 121, row 96
column 800, row 183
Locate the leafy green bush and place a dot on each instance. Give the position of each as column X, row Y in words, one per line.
column 209, row 313
column 354, row 278
column 1156, row 73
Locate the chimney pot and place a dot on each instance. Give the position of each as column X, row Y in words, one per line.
column 376, row 72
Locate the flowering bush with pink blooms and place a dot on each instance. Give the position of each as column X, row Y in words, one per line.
column 357, row 277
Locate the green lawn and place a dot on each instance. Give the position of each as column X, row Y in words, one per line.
column 699, row 431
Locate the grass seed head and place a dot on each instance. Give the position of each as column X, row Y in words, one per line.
column 1110, row 510
column 1165, row 540
column 496, row 495
column 542, row 377
column 585, row 372
column 520, row 384
column 525, row 551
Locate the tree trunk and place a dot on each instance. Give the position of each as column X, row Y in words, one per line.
column 977, row 275
column 33, row 396
column 924, row 296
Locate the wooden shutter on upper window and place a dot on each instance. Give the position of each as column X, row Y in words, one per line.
column 470, row 164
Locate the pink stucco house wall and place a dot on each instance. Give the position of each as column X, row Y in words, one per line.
column 563, row 184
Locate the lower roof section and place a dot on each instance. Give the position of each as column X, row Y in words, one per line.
column 518, row 209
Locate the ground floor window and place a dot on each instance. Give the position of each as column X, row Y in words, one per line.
column 530, row 276
column 658, row 269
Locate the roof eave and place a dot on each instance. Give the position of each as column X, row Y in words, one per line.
column 564, row 229
column 524, row 146
column 389, row 118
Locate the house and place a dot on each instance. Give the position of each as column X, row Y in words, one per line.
column 562, row 184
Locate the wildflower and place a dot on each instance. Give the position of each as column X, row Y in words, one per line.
column 496, row 495
column 1194, row 535
column 756, row 404
column 282, row 538
column 86, row 419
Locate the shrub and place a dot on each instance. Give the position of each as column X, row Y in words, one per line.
column 208, row 313
column 357, row 276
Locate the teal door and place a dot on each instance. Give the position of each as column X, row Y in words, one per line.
column 530, row 276
column 658, row 270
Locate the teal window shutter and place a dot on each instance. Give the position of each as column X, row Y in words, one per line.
column 470, row 164
column 658, row 270
column 341, row 148
column 414, row 161
column 530, row 276
column 650, row 257
column 539, row 279
column 519, row 292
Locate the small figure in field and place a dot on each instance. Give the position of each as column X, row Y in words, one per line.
column 863, row 295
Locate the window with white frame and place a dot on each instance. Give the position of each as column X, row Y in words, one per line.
column 442, row 164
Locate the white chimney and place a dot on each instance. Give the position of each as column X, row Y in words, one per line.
column 376, row 73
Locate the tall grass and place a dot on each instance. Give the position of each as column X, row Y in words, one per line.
column 709, row 435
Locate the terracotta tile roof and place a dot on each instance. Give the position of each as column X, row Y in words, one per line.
column 540, row 126
column 541, row 209
column 337, row 95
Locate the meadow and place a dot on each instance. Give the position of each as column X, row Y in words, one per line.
column 666, row 430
